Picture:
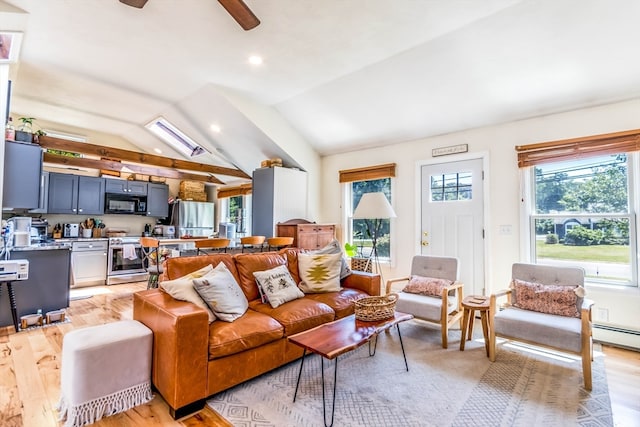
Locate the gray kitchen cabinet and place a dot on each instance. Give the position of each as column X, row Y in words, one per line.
column 157, row 200
column 278, row 195
column 43, row 201
column 47, row 287
column 122, row 186
column 74, row 194
column 22, row 172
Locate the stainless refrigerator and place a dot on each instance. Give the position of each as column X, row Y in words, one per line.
column 193, row 218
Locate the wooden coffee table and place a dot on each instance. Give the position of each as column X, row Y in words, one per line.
column 339, row 337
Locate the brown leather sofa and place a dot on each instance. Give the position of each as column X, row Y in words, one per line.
column 193, row 360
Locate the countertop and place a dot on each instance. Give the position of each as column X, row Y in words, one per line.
column 56, row 244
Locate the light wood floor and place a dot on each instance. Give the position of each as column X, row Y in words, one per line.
column 30, row 371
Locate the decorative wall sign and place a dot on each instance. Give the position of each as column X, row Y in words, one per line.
column 9, row 46
column 453, row 149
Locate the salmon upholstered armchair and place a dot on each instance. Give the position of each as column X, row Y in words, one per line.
column 545, row 306
column 432, row 292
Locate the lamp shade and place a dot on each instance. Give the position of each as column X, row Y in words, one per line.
column 374, row 206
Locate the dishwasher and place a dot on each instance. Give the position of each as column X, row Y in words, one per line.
column 89, row 263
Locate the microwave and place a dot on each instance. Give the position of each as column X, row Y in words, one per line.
column 125, row 204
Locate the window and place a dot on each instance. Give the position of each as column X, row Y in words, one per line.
column 235, row 206
column 582, row 214
column 360, row 233
column 450, row 187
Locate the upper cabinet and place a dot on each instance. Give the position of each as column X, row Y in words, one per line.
column 73, row 194
column 157, row 200
column 22, row 175
column 121, row 186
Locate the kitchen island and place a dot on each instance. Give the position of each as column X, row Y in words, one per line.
column 47, row 287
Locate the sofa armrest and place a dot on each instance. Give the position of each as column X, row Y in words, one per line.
column 390, row 282
column 367, row 282
column 180, row 345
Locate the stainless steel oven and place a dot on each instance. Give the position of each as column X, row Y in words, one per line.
column 125, row 261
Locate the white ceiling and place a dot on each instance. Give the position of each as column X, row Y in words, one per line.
column 345, row 74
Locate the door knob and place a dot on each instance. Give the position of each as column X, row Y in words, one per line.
column 425, row 233
column 425, row 243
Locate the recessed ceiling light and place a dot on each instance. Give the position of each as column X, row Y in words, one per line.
column 157, row 150
column 255, row 60
column 215, row 128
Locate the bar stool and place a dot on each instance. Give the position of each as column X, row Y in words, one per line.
column 279, row 242
column 207, row 246
column 153, row 264
column 252, row 242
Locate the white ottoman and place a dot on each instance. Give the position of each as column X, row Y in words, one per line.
column 105, row 370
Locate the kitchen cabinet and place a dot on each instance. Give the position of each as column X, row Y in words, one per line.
column 157, row 200
column 307, row 235
column 47, row 287
column 74, row 194
column 277, row 195
column 43, row 200
column 22, row 172
column 122, row 186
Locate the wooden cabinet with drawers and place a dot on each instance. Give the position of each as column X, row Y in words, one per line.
column 307, row 235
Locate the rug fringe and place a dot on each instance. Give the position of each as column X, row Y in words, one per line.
column 114, row 403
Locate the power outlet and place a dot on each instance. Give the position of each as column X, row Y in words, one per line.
column 602, row 314
column 505, row 230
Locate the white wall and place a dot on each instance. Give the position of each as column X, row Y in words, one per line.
column 503, row 195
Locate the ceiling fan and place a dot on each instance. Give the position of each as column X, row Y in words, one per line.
column 236, row 8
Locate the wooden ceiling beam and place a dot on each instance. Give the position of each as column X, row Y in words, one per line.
column 136, row 157
column 117, row 166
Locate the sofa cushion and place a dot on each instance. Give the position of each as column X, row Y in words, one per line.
column 560, row 300
column 297, row 315
column 182, row 289
column 291, row 255
column 341, row 302
column 250, row 330
column 221, row 293
column 430, row 286
column 277, row 285
column 319, row 272
column 249, row 263
column 179, row 266
column 423, row 307
column 333, row 247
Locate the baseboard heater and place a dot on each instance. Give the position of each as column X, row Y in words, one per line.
column 617, row 336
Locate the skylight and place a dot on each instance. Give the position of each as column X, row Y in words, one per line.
column 174, row 137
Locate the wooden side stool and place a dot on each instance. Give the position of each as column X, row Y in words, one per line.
column 469, row 305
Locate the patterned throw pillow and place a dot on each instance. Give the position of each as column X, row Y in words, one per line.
column 222, row 293
column 334, row 248
column 319, row 272
column 429, row 286
column 551, row 299
column 278, row 285
column 182, row 289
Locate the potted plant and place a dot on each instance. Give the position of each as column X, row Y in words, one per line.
column 358, row 260
column 25, row 132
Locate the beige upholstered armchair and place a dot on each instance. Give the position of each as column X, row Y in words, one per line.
column 432, row 292
column 545, row 306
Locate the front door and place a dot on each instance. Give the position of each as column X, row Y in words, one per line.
column 452, row 218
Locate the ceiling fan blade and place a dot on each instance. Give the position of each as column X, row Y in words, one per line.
column 241, row 13
column 134, row 3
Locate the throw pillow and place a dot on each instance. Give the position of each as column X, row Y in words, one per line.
column 222, row 293
column 551, row 299
column 319, row 272
column 278, row 285
column 334, row 248
column 429, row 286
column 182, row 289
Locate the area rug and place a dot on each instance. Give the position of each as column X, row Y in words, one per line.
column 524, row 387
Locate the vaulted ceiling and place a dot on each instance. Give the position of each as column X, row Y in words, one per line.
column 339, row 75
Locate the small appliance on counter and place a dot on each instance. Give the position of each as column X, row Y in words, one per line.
column 70, row 230
column 39, row 230
column 21, row 227
column 169, row 231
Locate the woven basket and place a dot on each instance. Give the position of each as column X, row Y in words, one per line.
column 372, row 309
column 361, row 264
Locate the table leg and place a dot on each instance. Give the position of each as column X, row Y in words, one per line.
column 335, row 382
column 304, row 353
column 375, row 346
column 485, row 330
column 472, row 318
column 402, row 347
column 465, row 326
column 12, row 302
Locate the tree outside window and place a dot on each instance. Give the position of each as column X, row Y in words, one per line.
column 360, row 234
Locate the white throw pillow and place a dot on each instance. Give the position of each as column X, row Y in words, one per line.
column 333, row 247
column 319, row 272
column 222, row 293
column 182, row 289
column 278, row 285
